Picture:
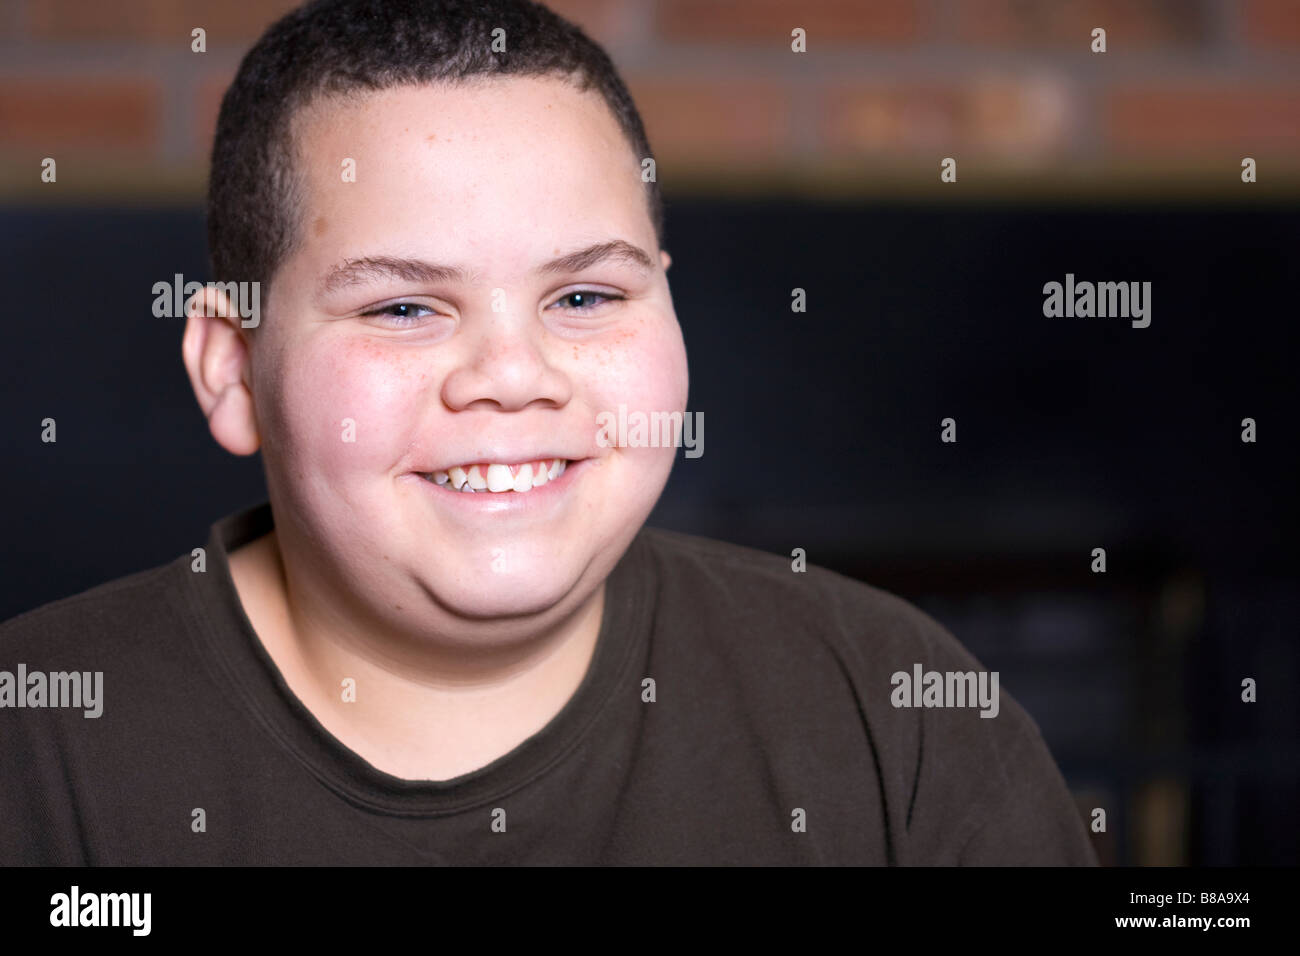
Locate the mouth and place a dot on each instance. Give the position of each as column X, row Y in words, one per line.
column 498, row 478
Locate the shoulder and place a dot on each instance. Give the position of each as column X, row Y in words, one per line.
column 102, row 617
column 862, row 623
column 957, row 754
column 813, row 627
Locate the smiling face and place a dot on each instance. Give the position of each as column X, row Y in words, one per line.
column 433, row 314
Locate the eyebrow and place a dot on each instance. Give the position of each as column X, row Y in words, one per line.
column 373, row 268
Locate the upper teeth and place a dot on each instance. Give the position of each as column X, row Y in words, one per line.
column 497, row 477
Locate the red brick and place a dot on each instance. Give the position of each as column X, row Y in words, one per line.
column 734, row 120
column 599, row 19
column 889, row 119
column 1241, row 118
column 48, row 114
column 1271, row 23
column 228, row 21
column 992, row 115
column 1129, row 24
column 163, row 21
column 770, row 21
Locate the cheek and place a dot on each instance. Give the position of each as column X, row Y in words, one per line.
column 347, row 404
column 644, row 369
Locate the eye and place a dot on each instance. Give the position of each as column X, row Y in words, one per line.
column 585, row 300
column 400, row 314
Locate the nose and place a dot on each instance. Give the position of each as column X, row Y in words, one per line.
column 504, row 365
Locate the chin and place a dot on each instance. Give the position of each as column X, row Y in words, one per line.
column 524, row 592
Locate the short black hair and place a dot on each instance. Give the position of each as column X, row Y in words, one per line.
column 330, row 47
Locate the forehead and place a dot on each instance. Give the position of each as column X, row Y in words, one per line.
column 497, row 154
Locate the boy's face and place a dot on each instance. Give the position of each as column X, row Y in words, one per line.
column 501, row 364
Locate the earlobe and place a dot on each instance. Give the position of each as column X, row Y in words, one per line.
column 232, row 421
column 216, row 358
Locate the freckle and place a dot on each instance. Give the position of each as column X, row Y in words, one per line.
column 431, row 137
column 319, row 226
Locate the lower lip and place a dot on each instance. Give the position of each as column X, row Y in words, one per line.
column 512, row 502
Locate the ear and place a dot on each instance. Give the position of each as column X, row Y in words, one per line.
column 215, row 353
column 666, row 259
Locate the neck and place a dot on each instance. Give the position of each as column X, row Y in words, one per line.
column 417, row 709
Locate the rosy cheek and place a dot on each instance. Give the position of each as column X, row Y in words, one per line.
column 646, row 372
column 653, row 373
column 353, row 398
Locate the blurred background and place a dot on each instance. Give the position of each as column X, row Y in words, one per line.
column 819, row 171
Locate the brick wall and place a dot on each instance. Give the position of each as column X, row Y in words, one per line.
column 888, row 88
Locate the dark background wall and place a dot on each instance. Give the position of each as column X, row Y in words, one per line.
column 822, row 432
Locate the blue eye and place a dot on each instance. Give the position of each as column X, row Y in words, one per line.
column 586, row 299
column 403, row 313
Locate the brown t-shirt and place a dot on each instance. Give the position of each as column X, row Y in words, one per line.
column 772, row 736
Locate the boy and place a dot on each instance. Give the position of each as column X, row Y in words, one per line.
column 448, row 637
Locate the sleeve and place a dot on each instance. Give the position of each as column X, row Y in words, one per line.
column 1030, row 819
column 39, row 817
column 38, row 820
column 980, row 790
